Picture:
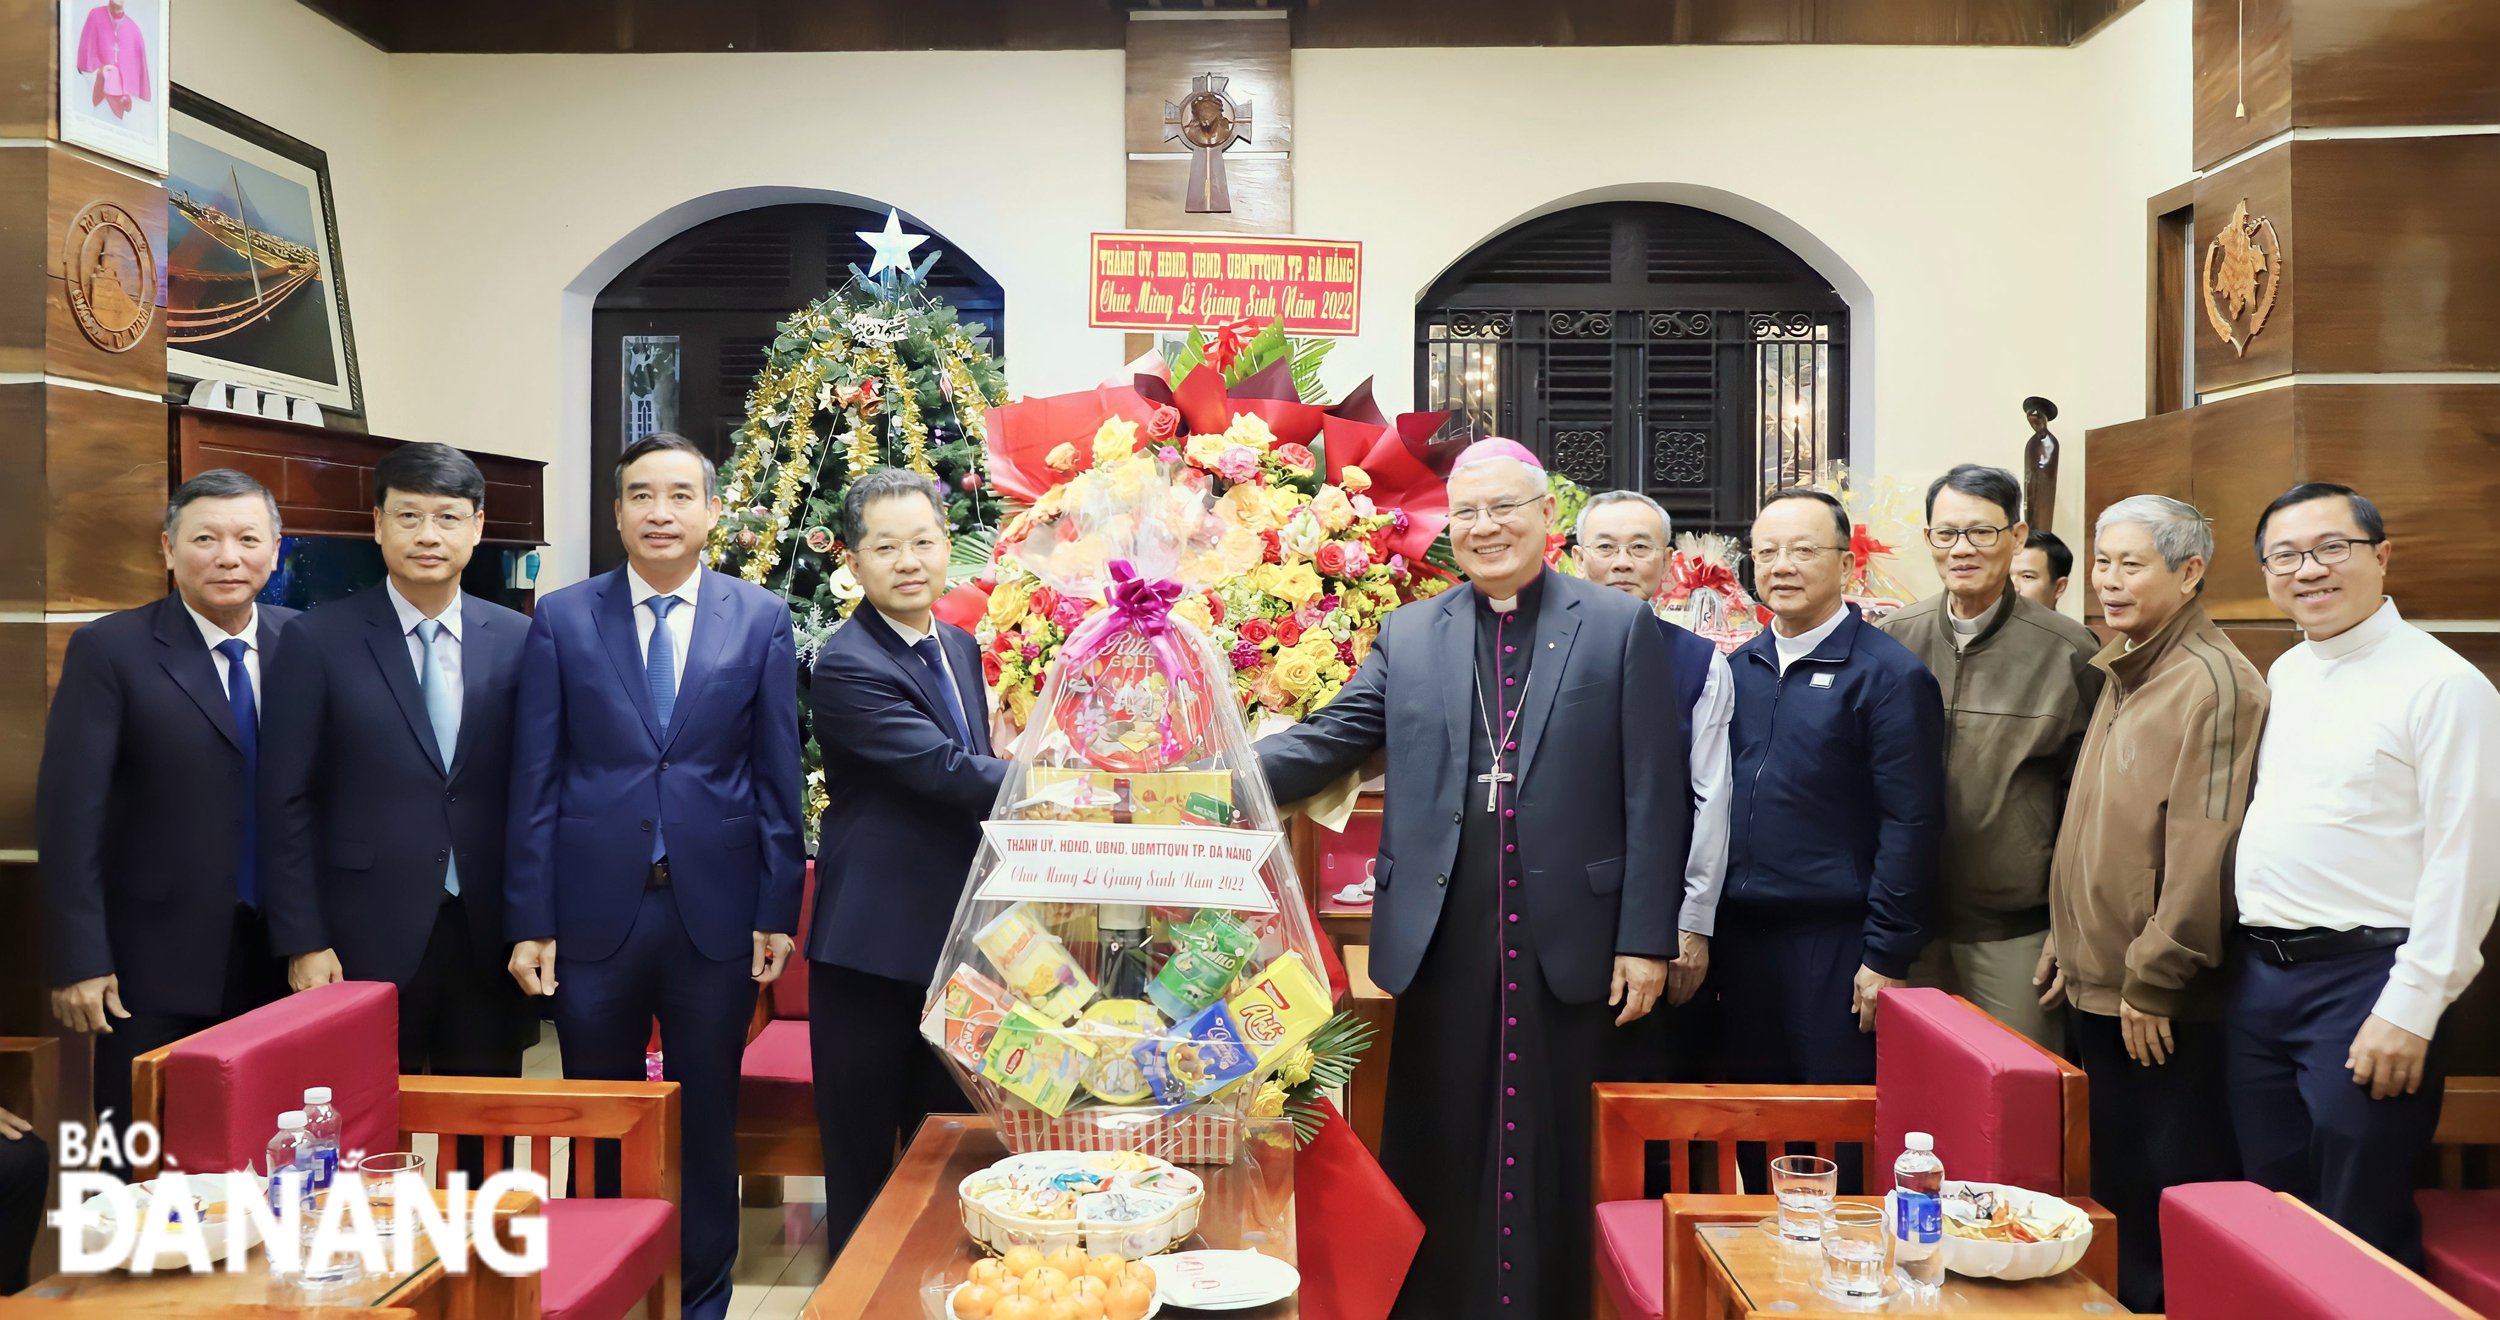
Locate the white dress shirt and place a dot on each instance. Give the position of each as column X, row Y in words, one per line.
column 1714, row 799
column 680, row 620
column 912, row 637
column 1793, row 649
column 2376, row 804
column 216, row 637
column 446, row 643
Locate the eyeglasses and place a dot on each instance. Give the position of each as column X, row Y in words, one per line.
column 922, row 550
column 2284, row 563
column 1500, row 513
column 1769, row 555
column 409, row 520
column 1980, row 538
column 1639, row 552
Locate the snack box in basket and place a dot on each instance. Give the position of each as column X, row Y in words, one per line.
column 1116, row 1202
column 1200, row 1135
column 2006, row 1214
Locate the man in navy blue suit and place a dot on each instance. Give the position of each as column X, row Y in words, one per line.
column 908, row 771
column 145, row 813
column 655, row 824
column 387, row 756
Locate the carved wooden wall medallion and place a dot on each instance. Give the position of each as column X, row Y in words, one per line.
column 108, row 274
column 2242, row 274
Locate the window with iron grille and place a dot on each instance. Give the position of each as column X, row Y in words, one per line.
column 1644, row 346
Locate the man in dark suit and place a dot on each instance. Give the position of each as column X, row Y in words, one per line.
column 655, row 832
column 388, row 755
column 1530, row 872
column 145, row 812
column 909, row 778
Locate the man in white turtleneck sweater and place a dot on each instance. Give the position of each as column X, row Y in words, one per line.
column 2369, row 868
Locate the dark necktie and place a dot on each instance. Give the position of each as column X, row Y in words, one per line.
column 927, row 649
column 659, row 671
column 247, row 730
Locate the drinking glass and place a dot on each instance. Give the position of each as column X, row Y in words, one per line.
column 1857, row 1253
column 1804, row 1185
column 323, row 1271
column 389, row 1179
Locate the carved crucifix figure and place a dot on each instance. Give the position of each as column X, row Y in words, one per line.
column 1208, row 122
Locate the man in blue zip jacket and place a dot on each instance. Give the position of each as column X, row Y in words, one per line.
column 1839, row 805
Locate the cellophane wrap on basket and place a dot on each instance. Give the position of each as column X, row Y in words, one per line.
column 1132, row 960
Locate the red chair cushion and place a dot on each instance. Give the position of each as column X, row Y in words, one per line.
column 2235, row 1251
column 603, row 1256
column 1992, row 1100
column 776, row 1079
column 226, row 1086
column 2461, row 1237
column 1632, row 1257
column 786, row 997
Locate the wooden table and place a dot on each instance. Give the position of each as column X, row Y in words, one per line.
column 1748, row 1273
column 913, row 1244
column 426, row 1291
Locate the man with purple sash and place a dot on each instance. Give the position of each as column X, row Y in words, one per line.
column 1530, row 874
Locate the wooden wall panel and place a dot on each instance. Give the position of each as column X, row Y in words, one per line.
column 2244, row 457
column 2395, row 62
column 2429, row 456
column 1262, row 192
column 21, row 469
column 2264, row 182
column 323, row 477
column 23, row 698
column 24, row 282
column 105, row 475
column 28, row 41
column 2398, row 267
column 1256, row 54
column 75, row 183
column 2243, row 56
column 2148, row 457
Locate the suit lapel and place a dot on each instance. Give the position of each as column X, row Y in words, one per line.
column 1455, row 640
column 703, row 649
column 613, row 616
column 1557, row 624
column 966, row 660
column 477, row 649
column 390, row 653
column 932, row 692
column 192, row 668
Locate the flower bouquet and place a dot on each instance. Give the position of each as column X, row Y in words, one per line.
column 1132, row 965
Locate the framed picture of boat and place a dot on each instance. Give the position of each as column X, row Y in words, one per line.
column 114, row 79
column 253, row 288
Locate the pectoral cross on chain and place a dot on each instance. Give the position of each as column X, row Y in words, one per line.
column 1493, row 781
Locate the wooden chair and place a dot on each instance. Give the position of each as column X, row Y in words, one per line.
column 1367, row 1095
column 211, row 1095
column 2235, row 1251
column 777, row 1135
column 1702, row 1125
column 2461, row 1217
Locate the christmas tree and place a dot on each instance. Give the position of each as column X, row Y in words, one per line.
column 875, row 374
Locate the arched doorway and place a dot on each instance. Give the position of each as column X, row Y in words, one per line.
column 1644, row 346
column 677, row 337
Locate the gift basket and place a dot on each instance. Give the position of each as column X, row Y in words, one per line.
column 1132, row 962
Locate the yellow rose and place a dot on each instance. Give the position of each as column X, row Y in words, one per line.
column 1297, row 1069
column 1335, row 511
column 1019, row 705
column 1264, row 579
column 1116, row 439
column 1353, row 479
column 1193, row 609
column 1296, row 671
column 1062, row 457
column 1362, row 647
column 1299, row 584
column 1203, row 450
column 1249, row 429
column 1008, row 603
column 1269, row 1102
column 1247, row 506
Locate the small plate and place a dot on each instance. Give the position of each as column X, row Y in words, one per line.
column 1222, row 1280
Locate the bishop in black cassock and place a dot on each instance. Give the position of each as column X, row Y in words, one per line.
column 1531, row 863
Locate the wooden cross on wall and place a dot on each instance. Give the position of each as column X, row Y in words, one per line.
column 1208, row 122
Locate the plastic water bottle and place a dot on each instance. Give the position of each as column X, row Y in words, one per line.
column 290, row 1160
column 1918, row 1216
column 322, row 1123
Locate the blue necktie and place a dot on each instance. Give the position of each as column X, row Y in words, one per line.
column 659, row 669
column 927, row 649
column 246, row 730
column 444, row 711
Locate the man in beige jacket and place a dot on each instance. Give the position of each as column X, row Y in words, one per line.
column 2138, row 899
column 2019, row 688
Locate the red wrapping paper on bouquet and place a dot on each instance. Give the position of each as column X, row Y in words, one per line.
column 1407, row 471
column 1354, row 1235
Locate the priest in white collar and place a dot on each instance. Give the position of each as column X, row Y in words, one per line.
column 1530, row 875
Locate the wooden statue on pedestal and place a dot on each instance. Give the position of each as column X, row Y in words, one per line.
column 2039, row 465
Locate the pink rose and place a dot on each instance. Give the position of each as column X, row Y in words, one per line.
column 1358, row 561
column 1068, row 613
column 1239, row 463
column 1296, row 457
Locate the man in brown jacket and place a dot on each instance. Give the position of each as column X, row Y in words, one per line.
column 2138, row 900
column 2018, row 690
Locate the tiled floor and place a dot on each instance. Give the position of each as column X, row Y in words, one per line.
column 781, row 1249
